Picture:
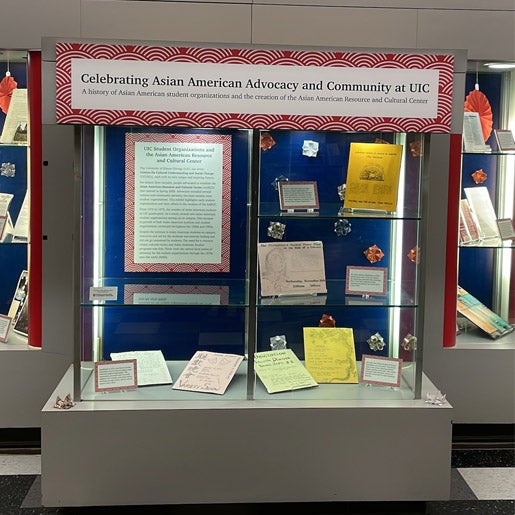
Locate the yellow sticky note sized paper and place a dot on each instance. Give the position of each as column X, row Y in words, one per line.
column 329, row 353
column 373, row 176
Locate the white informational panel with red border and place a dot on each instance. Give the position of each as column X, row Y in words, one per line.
column 177, row 202
column 132, row 84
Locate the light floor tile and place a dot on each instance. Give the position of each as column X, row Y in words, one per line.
column 20, row 464
column 490, row 483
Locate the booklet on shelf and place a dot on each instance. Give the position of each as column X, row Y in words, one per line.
column 16, row 121
column 151, row 366
column 281, row 371
column 474, row 310
column 473, row 133
column 481, row 204
column 469, row 231
column 373, row 177
column 208, row 372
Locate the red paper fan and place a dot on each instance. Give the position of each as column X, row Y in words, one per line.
column 476, row 102
column 7, row 86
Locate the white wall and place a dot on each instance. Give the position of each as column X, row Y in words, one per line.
column 485, row 29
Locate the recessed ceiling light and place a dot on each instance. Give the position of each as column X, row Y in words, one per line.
column 501, row 66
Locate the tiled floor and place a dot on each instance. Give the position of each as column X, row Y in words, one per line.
column 482, row 483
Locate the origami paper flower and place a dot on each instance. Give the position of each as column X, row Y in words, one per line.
column 477, row 102
column 327, row 321
column 479, row 176
column 7, row 86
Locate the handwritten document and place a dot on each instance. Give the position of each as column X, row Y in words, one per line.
column 281, row 371
column 330, row 354
column 151, row 366
column 208, row 372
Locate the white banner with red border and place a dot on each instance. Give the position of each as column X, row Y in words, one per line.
column 122, row 84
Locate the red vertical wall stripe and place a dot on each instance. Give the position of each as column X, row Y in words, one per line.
column 36, row 163
column 451, row 271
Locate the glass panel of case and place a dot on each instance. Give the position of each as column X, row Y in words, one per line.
column 14, row 201
column 130, row 303
column 486, row 264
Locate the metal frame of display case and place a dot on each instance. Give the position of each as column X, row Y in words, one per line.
column 174, row 439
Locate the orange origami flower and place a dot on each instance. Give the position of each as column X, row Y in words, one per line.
column 7, row 86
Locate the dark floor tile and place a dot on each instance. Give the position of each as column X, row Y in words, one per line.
column 13, row 490
column 483, row 458
column 470, row 507
column 460, row 490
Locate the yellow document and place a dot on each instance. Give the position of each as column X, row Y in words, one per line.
column 373, row 176
column 330, row 355
column 281, row 371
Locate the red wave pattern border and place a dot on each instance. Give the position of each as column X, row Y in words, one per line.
column 129, row 264
column 65, row 114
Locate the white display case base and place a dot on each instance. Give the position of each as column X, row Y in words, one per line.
column 175, row 452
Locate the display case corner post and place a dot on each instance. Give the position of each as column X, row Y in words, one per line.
column 451, row 271
column 35, row 179
column 77, row 249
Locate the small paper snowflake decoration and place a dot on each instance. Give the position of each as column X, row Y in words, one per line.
column 8, row 169
column 376, row 342
column 277, row 180
column 65, row 403
column 409, row 342
column 342, row 227
column 276, row 230
column 310, row 148
column 278, row 342
column 341, row 191
column 436, row 399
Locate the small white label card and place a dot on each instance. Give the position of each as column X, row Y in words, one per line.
column 298, row 195
column 505, row 140
column 380, row 370
column 111, row 376
column 506, row 228
column 362, row 280
column 103, row 293
column 5, row 324
column 151, row 364
column 208, row 372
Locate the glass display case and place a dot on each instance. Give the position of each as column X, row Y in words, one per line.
column 247, row 243
column 15, row 187
column 486, row 239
